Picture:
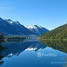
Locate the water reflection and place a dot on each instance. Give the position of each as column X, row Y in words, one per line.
column 10, row 49
column 60, row 45
column 31, row 57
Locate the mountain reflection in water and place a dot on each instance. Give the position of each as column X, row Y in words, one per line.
column 10, row 49
column 27, row 57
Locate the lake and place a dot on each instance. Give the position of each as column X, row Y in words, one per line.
column 33, row 54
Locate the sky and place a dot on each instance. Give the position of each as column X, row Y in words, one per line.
column 47, row 13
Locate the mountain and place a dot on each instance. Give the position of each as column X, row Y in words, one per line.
column 38, row 30
column 7, row 26
column 58, row 33
column 20, row 28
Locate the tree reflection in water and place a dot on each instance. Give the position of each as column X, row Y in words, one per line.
column 56, row 44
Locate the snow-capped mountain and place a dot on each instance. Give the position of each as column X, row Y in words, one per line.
column 22, row 29
column 38, row 30
column 8, row 26
column 13, row 27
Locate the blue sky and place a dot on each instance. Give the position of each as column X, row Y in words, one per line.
column 47, row 13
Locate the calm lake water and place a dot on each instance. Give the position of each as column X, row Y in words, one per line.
column 32, row 54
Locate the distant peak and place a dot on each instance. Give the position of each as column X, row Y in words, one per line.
column 35, row 25
column 9, row 20
column 17, row 22
column 12, row 22
column 0, row 18
column 31, row 27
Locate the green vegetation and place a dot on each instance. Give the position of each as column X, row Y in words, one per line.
column 56, row 38
column 57, row 34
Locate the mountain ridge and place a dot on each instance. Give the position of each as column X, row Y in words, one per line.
column 10, row 27
column 38, row 30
